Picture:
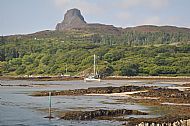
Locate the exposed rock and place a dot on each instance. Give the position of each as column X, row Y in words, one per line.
column 166, row 93
column 15, row 85
column 89, row 115
column 72, row 19
column 160, row 121
column 186, row 85
column 94, row 90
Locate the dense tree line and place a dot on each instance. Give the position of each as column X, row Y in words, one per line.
column 128, row 55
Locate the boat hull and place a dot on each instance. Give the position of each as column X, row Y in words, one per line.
column 91, row 79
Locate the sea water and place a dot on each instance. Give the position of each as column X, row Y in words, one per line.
column 17, row 107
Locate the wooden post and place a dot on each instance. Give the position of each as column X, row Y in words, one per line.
column 49, row 105
column 49, row 116
column 94, row 65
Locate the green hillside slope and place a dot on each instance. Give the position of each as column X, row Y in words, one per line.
column 131, row 51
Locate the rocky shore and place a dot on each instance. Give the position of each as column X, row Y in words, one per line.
column 173, row 104
column 93, row 90
column 166, row 95
column 98, row 114
column 161, row 121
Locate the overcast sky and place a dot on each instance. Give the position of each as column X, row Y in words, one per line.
column 28, row 16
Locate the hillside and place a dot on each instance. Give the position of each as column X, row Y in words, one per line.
column 74, row 27
column 140, row 50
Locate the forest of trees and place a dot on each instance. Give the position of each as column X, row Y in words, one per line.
column 130, row 54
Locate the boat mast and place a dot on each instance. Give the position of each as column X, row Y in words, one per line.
column 94, row 65
column 66, row 69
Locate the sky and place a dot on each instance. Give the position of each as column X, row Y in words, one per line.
column 29, row 16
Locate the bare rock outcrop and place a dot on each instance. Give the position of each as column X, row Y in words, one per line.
column 72, row 19
column 89, row 115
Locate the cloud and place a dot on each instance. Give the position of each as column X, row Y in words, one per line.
column 124, row 16
column 85, row 5
column 158, row 4
column 61, row 3
column 153, row 4
column 152, row 20
column 125, row 4
column 88, row 7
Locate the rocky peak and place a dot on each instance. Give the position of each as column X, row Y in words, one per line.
column 72, row 19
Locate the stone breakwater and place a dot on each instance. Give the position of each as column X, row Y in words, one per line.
column 94, row 90
column 89, row 115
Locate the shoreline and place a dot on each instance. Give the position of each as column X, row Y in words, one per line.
column 70, row 78
column 172, row 103
column 147, row 78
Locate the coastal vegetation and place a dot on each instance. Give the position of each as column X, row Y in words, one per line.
column 129, row 54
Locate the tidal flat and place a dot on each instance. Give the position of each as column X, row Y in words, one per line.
column 134, row 102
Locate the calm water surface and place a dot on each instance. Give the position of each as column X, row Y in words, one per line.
column 18, row 108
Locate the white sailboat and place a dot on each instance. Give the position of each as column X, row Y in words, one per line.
column 66, row 74
column 93, row 77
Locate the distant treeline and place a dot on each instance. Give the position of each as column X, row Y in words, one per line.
column 128, row 54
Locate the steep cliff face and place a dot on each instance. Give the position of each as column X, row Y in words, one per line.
column 72, row 19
